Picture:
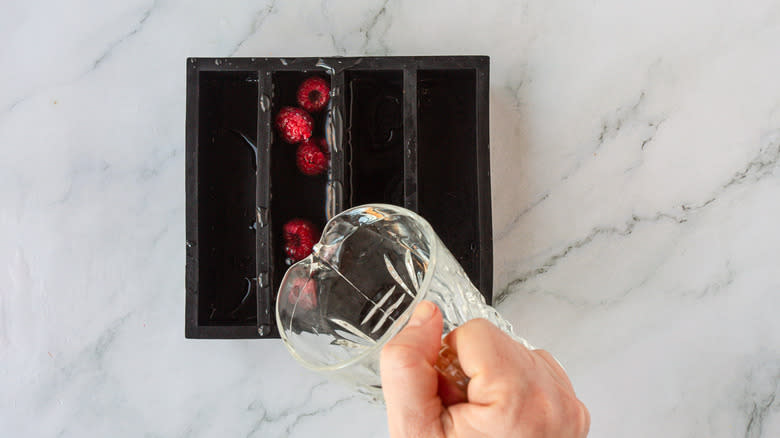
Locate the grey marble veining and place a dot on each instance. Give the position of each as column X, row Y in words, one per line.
column 636, row 197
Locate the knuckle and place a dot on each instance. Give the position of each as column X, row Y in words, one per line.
column 548, row 409
column 395, row 355
column 584, row 417
column 544, row 407
column 576, row 413
column 396, row 350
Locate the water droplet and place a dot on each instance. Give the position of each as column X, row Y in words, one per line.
column 283, row 61
column 262, row 216
column 253, row 226
column 265, row 103
column 333, row 128
column 264, row 330
column 189, row 244
column 339, row 65
column 328, row 69
column 262, row 279
column 334, row 197
column 217, row 62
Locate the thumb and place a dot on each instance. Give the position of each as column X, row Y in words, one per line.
column 409, row 381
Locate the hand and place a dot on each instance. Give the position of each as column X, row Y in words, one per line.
column 513, row 392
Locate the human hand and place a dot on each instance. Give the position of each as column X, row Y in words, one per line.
column 513, row 391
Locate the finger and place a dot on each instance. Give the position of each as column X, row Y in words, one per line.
column 483, row 348
column 409, row 381
column 488, row 356
column 555, row 368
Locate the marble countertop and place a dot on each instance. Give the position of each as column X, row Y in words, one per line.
column 636, row 203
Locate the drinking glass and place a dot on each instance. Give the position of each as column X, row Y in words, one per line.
column 339, row 306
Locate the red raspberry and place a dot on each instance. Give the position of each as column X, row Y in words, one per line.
column 313, row 94
column 312, row 157
column 294, row 124
column 299, row 238
column 303, row 294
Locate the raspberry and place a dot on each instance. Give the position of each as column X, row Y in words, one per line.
column 313, row 94
column 303, row 294
column 312, row 157
column 294, row 124
column 299, row 238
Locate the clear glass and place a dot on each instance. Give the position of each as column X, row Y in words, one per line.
column 373, row 264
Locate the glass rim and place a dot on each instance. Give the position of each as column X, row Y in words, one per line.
column 399, row 323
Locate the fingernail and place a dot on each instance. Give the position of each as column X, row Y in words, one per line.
column 422, row 314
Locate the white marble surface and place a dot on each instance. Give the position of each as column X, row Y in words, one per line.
column 636, row 210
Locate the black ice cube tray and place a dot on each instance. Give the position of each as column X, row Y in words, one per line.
column 409, row 131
